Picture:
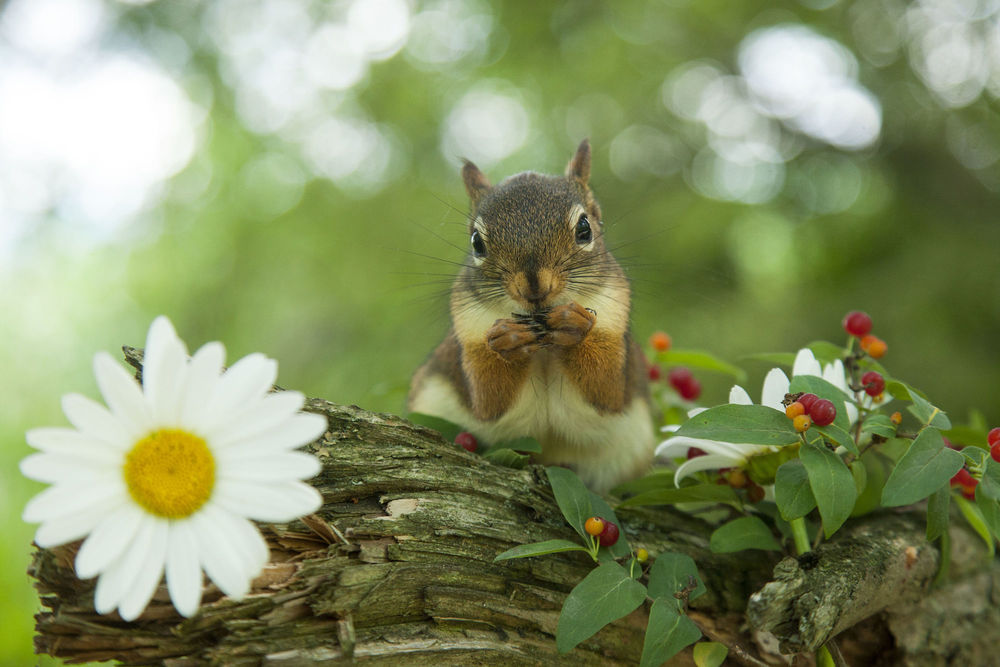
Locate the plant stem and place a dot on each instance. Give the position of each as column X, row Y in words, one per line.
column 800, row 535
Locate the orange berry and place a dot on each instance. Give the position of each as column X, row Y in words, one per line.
column 896, row 418
column 802, row 423
column 737, row 479
column 874, row 346
column 660, row 341
column 594, row 526
column 794, row 410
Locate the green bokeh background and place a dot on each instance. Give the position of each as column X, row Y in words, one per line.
column 346, row 283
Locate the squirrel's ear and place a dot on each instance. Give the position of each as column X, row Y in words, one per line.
column 476, row 183
column 579, row 167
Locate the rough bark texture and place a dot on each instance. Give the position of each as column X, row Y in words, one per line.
column 397, row 568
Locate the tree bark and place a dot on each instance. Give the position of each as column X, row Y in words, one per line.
column 397, row 568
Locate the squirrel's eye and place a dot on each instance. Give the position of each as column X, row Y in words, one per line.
column 478, row 245
column 583, row 233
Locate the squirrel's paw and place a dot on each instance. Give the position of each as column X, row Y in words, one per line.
column 569, row 323
column 512, row 340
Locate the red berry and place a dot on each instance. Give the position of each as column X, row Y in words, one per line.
column 807, row 400
column 467, row 441
column 963, row 478
column 609, row 535
column 654, row 372
column 660, row 341
column 694, row 452
column 969, row 492
column 684, row 382
column 873, row 383
column 594, row 526
column 993, row 437
column 857, row 323
column 995, row 451
column 755, row 492
column 823, row 412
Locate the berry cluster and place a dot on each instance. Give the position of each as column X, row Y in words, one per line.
column 606, row 532
column 859, row 325
column 993, row 439
column 679, row 377
column 809, row 409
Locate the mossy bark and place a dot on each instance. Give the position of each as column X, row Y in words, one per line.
column 397, row 568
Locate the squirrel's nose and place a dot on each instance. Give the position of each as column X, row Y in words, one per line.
column 534, row 287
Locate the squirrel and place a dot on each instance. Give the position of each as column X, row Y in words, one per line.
column 539, row 343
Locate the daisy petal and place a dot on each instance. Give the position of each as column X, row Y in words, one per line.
column 739, row 396
column 184, row 580
column 95, row 420
column 775, row 387
column 300, row 429
column 67, row 442
column 108, row 540
column 806, row 364
column 220, row 560
column 141, row 590
column 245, row 381
column 283, row 467
column 270, row 411
column 74, row 525
column 63, row 499
column 245, row 537
column 163, row 371
column 203, row 374
column 114, row 582
column 62, row 468
column 277, row 503
column 122, row 394
column 707, row 462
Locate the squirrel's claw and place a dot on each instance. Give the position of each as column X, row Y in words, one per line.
column 569, row 324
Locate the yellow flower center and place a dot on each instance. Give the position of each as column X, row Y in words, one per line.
column 170, row 473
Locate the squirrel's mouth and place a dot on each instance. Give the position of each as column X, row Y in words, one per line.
column 536, row 291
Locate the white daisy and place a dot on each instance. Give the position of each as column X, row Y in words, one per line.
column 732, row 455
column 166, row 478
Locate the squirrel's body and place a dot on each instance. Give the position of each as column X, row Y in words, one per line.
column 540, row 343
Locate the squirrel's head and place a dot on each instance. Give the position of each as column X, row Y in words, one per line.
column 537, row 239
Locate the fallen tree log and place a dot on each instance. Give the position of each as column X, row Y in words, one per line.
column 397, row 568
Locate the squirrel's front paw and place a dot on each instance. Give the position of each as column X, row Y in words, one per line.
column 569, row 323
column 512, row 340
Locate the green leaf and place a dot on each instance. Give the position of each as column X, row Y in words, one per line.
column 989, row 509
column 839, row 437
column 741, row 424
column 927, row 413
column 572, row 497
column 600, row 508
column 540, row 549
column 989, row 485
column 925, row 467
column 870, row 497
column 526, row 444
column 824, row 389
column 667, row 633
column 791, row 491
column 604, row 596
column 671, row 573
column 506, row 457
column 938, row 505
column 701, row 360
column 447, row 430
column 747, row 532
column 710, row 654
column 974, row 517
column 880, row 425
column 659, row 478
column 699, row 493
column 832, row 485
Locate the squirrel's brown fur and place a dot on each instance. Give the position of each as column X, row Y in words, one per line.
column 540, row 344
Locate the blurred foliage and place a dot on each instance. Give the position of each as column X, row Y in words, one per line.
column 321, row 225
